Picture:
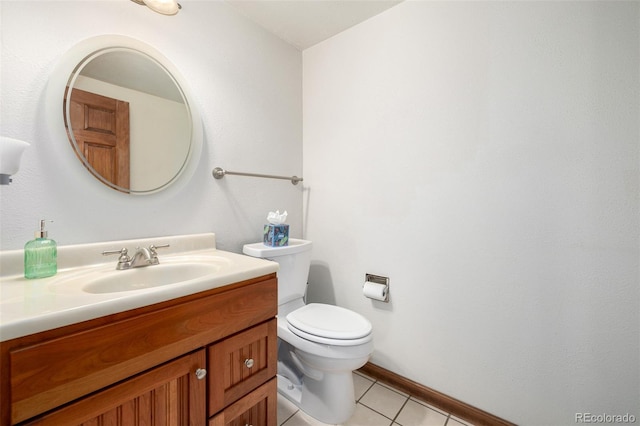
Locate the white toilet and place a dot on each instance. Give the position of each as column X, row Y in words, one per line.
column 319, row 345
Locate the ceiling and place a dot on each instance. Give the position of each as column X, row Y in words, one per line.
column 304, row 23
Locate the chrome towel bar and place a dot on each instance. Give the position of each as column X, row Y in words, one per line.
column 219, row 173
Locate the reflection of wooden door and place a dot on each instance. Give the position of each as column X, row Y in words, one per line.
column 101, row 130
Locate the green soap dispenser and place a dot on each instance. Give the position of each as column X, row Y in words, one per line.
column 40, row 256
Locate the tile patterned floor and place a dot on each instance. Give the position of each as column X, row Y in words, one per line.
column 377, row 405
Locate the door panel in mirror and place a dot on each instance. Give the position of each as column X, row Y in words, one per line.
column 100, row 128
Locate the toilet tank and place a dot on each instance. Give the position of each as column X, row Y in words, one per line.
column 294, row 261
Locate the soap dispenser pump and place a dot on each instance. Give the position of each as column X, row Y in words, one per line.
column 40, row 255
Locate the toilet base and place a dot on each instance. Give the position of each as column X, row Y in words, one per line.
column 330, row 400
column 289, row 390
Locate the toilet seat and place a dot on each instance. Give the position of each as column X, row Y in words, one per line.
column 328, row 324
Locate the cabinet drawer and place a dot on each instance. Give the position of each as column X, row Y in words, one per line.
column 259, row 408
column 244, row 361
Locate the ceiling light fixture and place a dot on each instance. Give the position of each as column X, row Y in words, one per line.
column 165, row 7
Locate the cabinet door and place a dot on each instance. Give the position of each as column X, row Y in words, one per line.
column 259, row 408
column 242, row 362
column 168, row 395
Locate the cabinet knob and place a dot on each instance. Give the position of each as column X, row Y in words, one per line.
column 248, row 362
column 200, row 373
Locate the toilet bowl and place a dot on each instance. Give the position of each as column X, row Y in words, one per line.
column 319, row 345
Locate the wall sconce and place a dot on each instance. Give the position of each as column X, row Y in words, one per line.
column 10, row 152
column 165, row 7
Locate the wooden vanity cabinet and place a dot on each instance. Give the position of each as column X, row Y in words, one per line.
column 145, row 366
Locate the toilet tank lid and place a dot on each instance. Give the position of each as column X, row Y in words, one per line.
column 264, row 251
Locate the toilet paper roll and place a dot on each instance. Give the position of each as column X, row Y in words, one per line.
column 375, row 291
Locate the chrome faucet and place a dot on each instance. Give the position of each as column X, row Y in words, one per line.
column 142, row 257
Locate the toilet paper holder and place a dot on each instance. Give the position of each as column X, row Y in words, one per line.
column 378, row 279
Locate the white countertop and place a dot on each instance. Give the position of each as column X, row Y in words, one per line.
column 31, row 306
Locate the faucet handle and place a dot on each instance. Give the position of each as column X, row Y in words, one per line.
column 153, row 248
column 123, row 252
column 124, row 259
column 154, row 253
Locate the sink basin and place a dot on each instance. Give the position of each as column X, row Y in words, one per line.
column 109, row 280
column 149, row 276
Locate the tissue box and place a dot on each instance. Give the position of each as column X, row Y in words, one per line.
column 276, row 235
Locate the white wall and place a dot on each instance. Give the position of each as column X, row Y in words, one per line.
column 484, row 156
column 247, row 85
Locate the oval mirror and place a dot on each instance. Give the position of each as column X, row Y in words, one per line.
column 128, row 115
